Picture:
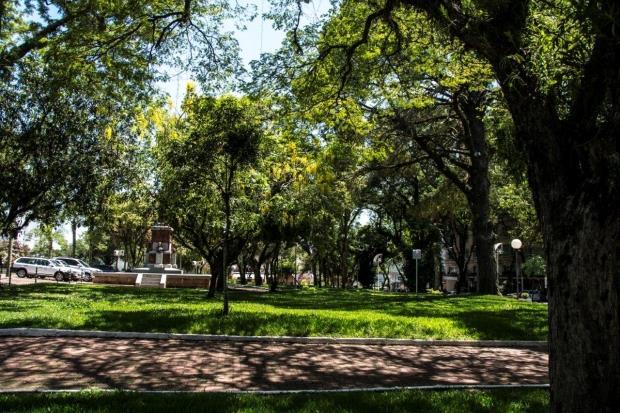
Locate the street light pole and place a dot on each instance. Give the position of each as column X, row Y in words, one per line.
column 416, row 276
column 416, row 255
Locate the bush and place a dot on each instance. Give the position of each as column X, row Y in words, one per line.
column 535, row 266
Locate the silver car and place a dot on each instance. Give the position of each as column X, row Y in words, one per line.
column 87, row 271
column 75, row 274
column 39, row 267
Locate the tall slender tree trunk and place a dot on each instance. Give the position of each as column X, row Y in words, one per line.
column 437, row 285
column 50, row 243
column 9, row 258
column 73, row 236
column 241, row 264
column 258, row 279
column 215, row 265
column 315, row 280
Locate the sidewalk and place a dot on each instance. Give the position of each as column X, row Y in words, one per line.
column 143, row 364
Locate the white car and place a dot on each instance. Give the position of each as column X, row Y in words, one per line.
column 87, row 271
column 40, row 267
column 75, row 273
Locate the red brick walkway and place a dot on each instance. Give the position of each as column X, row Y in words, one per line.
column 140, row 364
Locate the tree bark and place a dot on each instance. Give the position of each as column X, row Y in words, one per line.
column 472, row 108
column 73, row 236
column 216, row 269
column 258, row 279
column 241, row 264
column 314, row 273
column 575, row 178
column 9, row 258
column 582, row 245
column 574, row 174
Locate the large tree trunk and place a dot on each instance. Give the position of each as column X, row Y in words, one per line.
column 483, row 239
column 574, row 174
column 582, row 246
column 577, row 196
column 472, row 106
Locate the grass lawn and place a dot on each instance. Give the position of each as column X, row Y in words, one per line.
column 308, row 312
column 497, row 400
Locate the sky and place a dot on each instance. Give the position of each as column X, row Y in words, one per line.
column 258, row 37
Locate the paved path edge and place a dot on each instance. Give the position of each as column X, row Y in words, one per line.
column 276, row 392
column 44, row 332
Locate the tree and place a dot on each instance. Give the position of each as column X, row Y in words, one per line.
column 557, row 65
column 60, row 142
column 435, row 98
column 66, row 66
column 131, row 34
column 204, row 175
column 397, row 197
column 48, row 241
column 463, row 157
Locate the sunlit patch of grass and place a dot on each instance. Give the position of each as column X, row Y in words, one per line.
column 308, row 312
column 451, row 401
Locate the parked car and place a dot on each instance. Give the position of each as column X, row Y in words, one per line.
column 40, row 267
column 87, row 271
column 539, row 296
column 75, row 274
column 104, row 267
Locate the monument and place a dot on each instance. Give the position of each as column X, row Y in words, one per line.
column 161, row 253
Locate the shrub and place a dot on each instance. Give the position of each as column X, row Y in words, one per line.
column 535, row 266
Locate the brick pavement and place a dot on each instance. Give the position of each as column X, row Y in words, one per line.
column 143, row 364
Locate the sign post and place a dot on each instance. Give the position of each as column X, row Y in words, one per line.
column 416, row 255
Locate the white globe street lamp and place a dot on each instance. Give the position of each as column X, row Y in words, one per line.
column 516, row 244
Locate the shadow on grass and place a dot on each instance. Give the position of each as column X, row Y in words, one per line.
column 513, row 324
column 523, row 400
column 299, row 312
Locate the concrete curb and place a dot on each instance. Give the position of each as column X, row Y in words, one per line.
column 276, row 392
column 42, row 332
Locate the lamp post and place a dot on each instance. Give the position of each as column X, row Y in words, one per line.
column 516, row 245
column 416, row 255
